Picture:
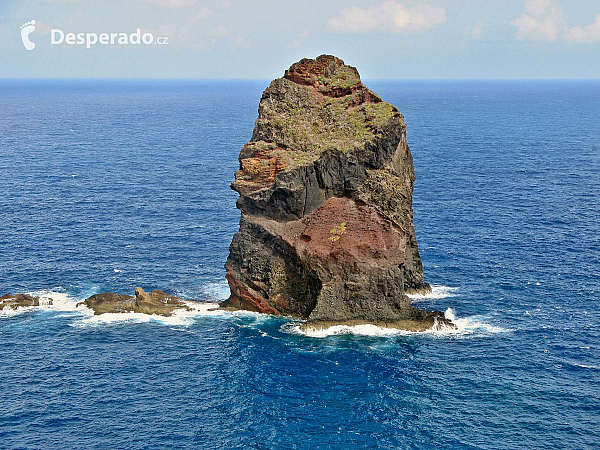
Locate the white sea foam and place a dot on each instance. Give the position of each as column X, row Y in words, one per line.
column 467, row 326
column 217, row 291
column 59, row 301
column 49, row 300
column 358, row 330
column 179, row 318
column 11, row 312
column 585, row 366
column 437, row 292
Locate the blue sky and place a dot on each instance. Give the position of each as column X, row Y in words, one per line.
column 261, row 38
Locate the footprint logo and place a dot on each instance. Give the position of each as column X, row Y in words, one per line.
column 26, row 30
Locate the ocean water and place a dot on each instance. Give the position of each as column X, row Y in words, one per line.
column 109, row 185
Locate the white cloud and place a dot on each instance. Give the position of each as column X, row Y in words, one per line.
column 198, row 38
column 476, row 31
column 537, row 7
column 300, row 39
column 542, row 20
column 354, row 20
column 222, row 30
column 203, row 14
column 169, row 31
column 389, row 17
column 586, row 35
column 224, row 5
column 189, row 27
column 169, row 3
column 238, row 42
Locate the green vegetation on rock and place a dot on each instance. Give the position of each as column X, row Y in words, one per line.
column 344, row 77
column 298, row 118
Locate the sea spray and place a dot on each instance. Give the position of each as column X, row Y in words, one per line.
column 473, row 326
column 437, row 292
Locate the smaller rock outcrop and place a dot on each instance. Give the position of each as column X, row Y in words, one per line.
column 155, row 302
column 109, row 302
column 158, row 302
column 15, row 301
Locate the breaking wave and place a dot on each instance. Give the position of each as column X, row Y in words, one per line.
column 216, row 291
column 59, row 301
column 473, row 326
column 49, row 300
column 437, row 292
column 179, row 318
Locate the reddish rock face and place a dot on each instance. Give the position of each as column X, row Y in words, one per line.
column 331, row 77
column 325, row 190
column 308, row 71
column 342, row 236
column 243, row 297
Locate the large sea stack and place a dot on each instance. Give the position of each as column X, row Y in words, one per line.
column 325, row 188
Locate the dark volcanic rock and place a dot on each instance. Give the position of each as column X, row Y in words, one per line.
column 325, row 189
column 158, row 302
column 109, row 302
column 20, row 300
column 155, row 302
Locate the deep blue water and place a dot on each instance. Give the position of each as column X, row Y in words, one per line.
column 108, row 185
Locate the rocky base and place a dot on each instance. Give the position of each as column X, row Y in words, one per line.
column 15, row 301
column 422, row 321
column 156, row 302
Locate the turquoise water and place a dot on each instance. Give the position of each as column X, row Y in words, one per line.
column 108, row 185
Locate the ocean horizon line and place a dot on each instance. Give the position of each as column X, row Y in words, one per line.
column 22, row 79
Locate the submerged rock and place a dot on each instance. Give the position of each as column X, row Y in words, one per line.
column 325, row 188
column 21, row 301
column 155, row 302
